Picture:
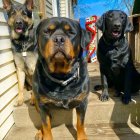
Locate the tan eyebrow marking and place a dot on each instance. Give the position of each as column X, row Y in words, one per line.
column 52, row 27
column 66, row 27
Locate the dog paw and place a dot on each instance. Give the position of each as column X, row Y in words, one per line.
column 82, row 139
column 104, row 97
column 19, row 102
column 126, row 99
column 43, row 136
column 32, row 102
column 82, row 136
column 39, row 135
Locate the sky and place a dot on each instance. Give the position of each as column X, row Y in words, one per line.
column 87, row 8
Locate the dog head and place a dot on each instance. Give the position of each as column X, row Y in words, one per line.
column 60, row 41
column 114, row 24
column 19, row 17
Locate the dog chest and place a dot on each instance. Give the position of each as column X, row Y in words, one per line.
column 113, row 56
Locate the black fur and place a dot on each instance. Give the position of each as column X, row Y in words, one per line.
column 74, row 94
column 114, row 55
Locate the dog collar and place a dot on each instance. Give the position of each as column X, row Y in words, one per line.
column 64, row 82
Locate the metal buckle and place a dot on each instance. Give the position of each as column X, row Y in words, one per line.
column 24, row 54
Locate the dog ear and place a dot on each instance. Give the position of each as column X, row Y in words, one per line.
column 101, row 23
column 29, row 4
column 7, row 5
column 85, row 38
column 128, row 26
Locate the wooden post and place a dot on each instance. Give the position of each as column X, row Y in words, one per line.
column 138, row 40
column 42, row 9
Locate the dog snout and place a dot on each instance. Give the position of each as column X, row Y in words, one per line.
column 117, row 25
column 19, row 22
column 59, row 40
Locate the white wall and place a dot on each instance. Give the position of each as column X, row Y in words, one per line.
column 8, row 78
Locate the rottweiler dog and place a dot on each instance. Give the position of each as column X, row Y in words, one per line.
column 61, row 77
column 114, row 56
column 21, row 29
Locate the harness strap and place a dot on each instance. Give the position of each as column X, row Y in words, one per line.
column 63, row 82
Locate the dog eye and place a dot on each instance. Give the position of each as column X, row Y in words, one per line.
column 24, row 13
column 13, row 12
column 46, row 32
column 110, row 15
column 122, row 17
column 70, row 32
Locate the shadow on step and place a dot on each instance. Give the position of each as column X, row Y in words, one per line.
column 58, row 117
column 124, row 119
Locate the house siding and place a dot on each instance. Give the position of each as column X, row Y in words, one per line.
column 8, row 77
column 63, row 8
column 49, row 9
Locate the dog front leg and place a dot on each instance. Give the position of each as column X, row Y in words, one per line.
column 45, row 133
column 80, row 111
column 21, row 81
column 104, row 96
column 126, row 98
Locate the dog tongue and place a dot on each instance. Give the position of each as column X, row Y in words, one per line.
column 18, row 30
column 115, row 33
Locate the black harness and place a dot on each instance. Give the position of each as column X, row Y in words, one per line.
column 24, row 44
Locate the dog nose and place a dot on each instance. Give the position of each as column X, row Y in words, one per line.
column 19, row 22
column 117, row 25
column 59, row 40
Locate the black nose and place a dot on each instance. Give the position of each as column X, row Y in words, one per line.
column 117, row 25
column 19, row 22
column 60, row 40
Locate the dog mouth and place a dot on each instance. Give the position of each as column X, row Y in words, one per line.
column 19, row 30
column 116, row 33
column 60, row 55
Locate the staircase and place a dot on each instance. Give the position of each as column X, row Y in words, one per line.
column 104, row 120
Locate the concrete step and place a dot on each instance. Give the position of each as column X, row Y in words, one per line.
column 94, row 132
column 112, row 111
column 110, row 120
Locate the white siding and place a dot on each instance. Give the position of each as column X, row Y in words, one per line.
column 8, row 78
column 49, row 9
column 55, row 8
column 63, row 8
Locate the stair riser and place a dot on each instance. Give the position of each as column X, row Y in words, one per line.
column 96, row 113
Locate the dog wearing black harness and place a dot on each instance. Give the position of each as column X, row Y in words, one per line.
column 61, row 78
column 21, row 30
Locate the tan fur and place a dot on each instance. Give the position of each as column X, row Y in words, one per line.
column 60, row 65
column 11, row 21
column 81, row 135
column 7, row 4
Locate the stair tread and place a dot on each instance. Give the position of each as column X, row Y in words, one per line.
column 99, row 117
column 94, row 132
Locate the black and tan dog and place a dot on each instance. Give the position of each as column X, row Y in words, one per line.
column 61, row 77
column 21, row 29
column 114, row 55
